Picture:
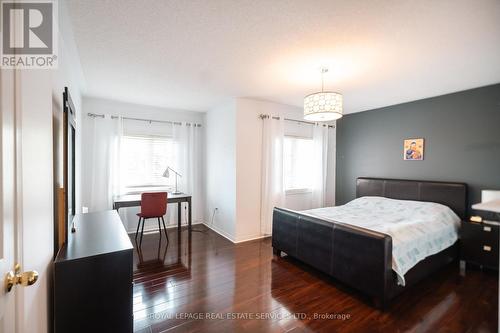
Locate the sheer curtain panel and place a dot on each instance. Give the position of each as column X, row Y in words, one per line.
column 319, row 165
column 272, row 186
column 188, row 162
column 104, row 167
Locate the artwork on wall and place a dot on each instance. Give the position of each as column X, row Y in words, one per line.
column 413, row 149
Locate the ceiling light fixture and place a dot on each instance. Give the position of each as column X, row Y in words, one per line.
column 324, row 105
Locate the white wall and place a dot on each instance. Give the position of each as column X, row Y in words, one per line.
column 248, row 168
column 107, row 106
column 248, row 160
column 249, row 157
column 110, row 107
column 68, row 74
column 234, row 141
column 220, row 176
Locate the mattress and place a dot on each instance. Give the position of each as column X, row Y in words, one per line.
column 418, row 229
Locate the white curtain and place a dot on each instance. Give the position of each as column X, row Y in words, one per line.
column 272, row 191
column 104, row 136
column 319, row 165
column 188, row 154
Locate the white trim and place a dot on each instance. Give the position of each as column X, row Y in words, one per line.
column 229, row 238
column 169, row 226
column 139, row 189
column 18, row 224
column 147, row 136
column 252, row 238
column 220, row 232
column 295, row 191
column 302, row 137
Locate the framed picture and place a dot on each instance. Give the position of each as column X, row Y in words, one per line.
column 413, row 149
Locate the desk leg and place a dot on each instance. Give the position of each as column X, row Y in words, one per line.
column 189, row 213
column 190, row 248
column 179, row 215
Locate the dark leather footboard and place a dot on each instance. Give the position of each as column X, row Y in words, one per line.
column 355, row 256
column 359, row 258
column 310, row 241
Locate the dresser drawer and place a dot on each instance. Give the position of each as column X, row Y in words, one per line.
column 479, row 232
column 480, row 244
column 481, row 254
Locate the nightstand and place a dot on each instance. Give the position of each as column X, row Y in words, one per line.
column 479, row 244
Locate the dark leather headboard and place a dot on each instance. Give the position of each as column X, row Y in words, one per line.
column 453, row 195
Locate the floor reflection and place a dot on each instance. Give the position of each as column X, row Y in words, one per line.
column 203, row 272
column 160, row 266
column 444, row 301
column 158, row 260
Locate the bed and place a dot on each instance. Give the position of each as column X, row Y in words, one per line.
column 359, row 257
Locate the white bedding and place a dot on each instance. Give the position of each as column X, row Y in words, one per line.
column 418, row 229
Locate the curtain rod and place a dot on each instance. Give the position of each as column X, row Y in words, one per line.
column 95, row 115
column 264, row 116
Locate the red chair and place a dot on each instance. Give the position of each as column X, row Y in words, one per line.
column 153, row 205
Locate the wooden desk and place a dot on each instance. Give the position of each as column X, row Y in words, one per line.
column 133, row 200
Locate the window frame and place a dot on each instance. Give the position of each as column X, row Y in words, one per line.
column 295, row 191
column 140, row 188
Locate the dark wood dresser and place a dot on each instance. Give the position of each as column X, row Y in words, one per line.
column 93, row 277
column 479, row 244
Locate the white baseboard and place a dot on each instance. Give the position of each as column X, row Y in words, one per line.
column 251, row 239
column 213, row 228
column 220, row 232
column 170, row 226
column 231, row 239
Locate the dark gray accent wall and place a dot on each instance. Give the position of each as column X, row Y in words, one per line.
column 462, row 142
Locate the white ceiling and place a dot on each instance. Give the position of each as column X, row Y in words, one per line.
column 196, row 54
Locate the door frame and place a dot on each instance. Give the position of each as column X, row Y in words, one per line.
column 12, row 76
column 18, row 222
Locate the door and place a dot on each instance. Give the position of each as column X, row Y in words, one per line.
column 7, row 197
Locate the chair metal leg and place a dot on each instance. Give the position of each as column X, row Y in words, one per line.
column 138, row 225
column 159, row 227
column 164, row 227
column 142, row 230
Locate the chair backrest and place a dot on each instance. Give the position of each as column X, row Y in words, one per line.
column 154, row 204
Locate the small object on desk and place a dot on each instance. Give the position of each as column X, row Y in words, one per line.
column 476, row 219
column 166, row 174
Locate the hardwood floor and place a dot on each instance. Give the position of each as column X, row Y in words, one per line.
column 203, row 274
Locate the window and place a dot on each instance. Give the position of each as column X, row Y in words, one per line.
column 296, row 164
column 143, row 161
